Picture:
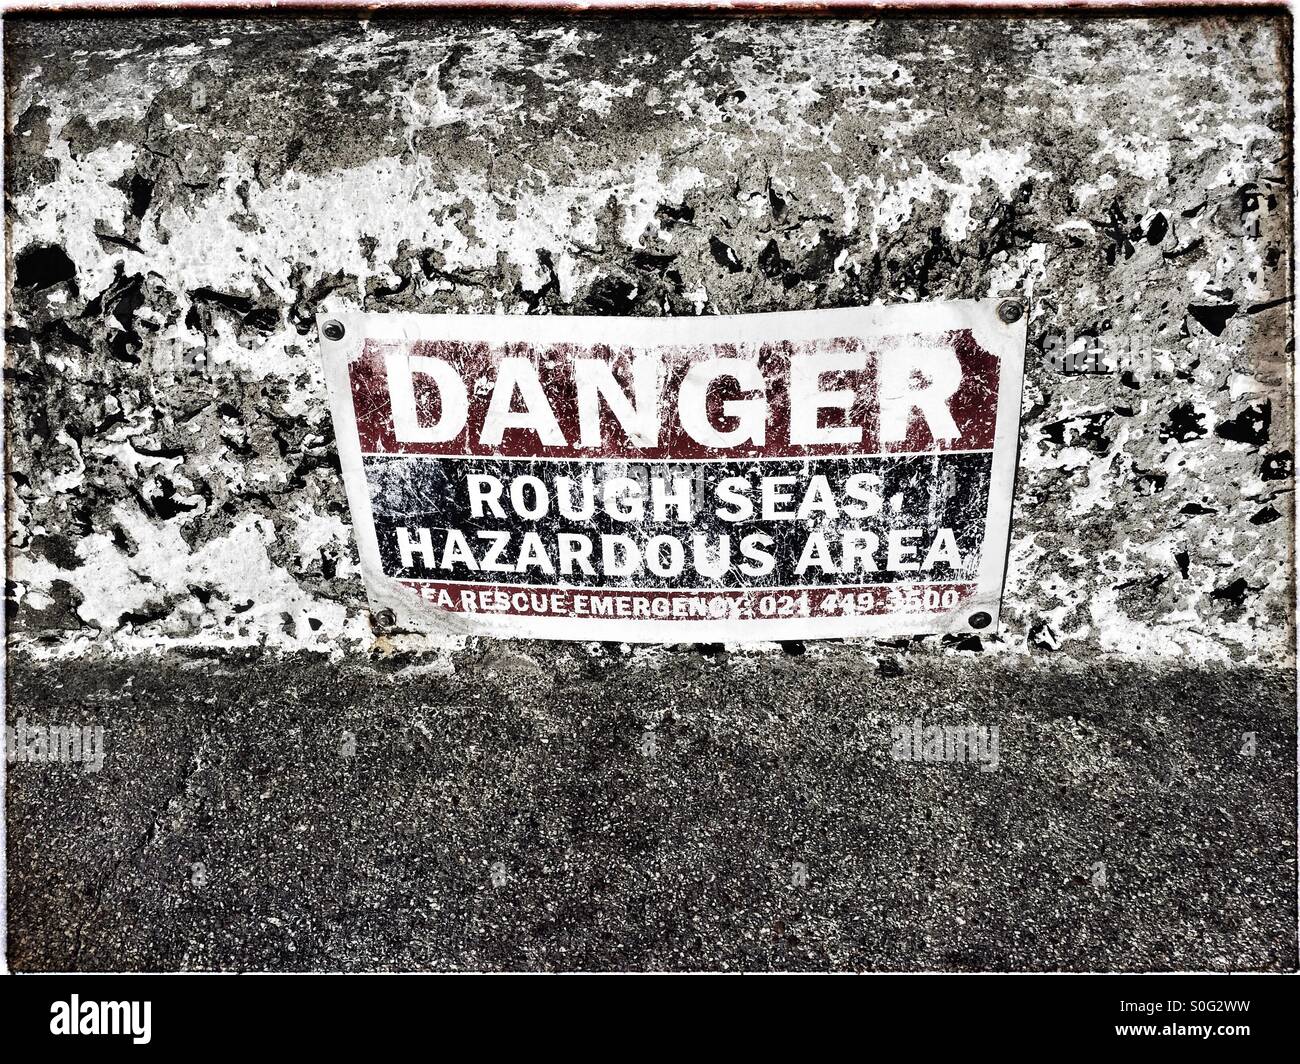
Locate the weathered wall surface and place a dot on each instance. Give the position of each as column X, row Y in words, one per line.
column 183, row 197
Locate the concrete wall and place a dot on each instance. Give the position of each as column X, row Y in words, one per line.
column 183, row 197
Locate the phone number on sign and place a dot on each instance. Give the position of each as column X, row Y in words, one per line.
column 692, row 605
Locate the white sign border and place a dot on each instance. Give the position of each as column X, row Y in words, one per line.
column 1005, row 341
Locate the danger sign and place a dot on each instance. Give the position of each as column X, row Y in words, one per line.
column 766, row 476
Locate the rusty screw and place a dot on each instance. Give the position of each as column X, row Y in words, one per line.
column 980, row 620
column 333, row 330
column 385, row 620
column 1009, row 310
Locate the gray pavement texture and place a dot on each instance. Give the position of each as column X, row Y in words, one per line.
column 512, row 815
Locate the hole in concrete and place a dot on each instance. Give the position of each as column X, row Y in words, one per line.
column 43, row 266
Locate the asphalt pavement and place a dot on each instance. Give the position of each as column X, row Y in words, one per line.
column 534, row 807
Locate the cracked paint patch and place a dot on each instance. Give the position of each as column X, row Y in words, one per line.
column 186, row 196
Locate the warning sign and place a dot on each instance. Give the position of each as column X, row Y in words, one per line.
column 768, row 476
